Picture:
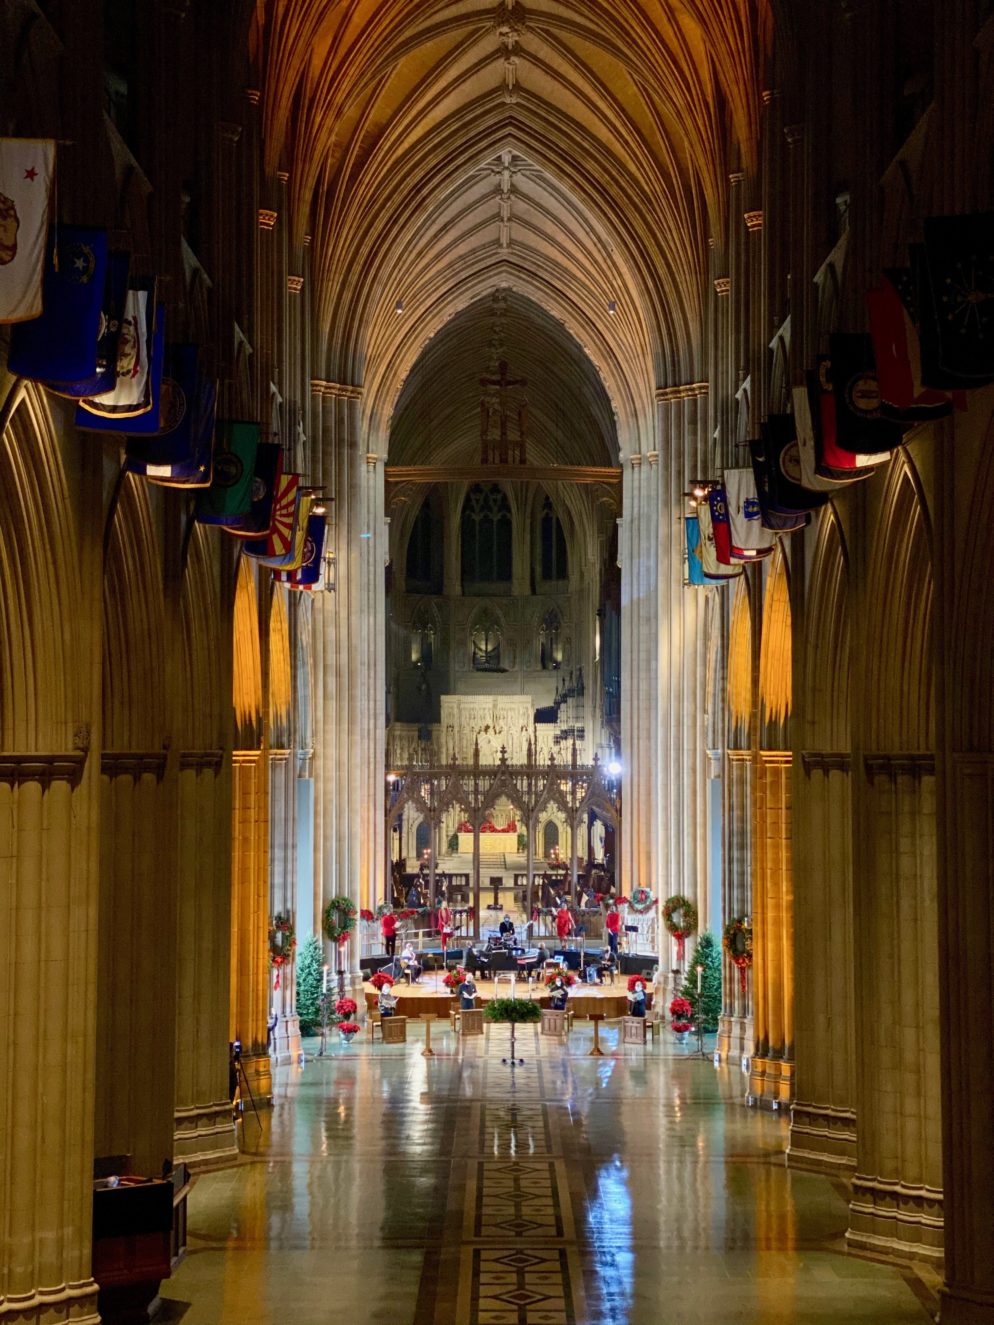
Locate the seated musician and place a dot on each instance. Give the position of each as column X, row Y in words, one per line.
column 409, row 962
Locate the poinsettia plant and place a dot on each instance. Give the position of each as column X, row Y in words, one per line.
column 366, row 914
column 381, row 980
column 681, row 1013
column 560, row 973
column 633, row 981
column 453, row 979
column 349, row 1027
column 345, row 1007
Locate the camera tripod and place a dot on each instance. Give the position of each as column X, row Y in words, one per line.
column 243, row 1083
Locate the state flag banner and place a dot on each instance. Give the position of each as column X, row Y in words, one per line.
column 294, row 558
column 776, row 463
column 140, row 350
column 749, row 539
column 265, row 481
column 833, row 460
column 277, row 545
column 178, row 453
column 860, row 424
column 811, row 475
column 27, row 167
column 104, row 375
column 710, row 561
column 898, row 358
column 695, row 570
column 718, row 506
column 956, row 290
column 62, row 342
column 309, row 573
column 230, row 493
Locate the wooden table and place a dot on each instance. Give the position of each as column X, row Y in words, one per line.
column 596, row 1051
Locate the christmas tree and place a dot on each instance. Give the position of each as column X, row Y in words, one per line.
column 310, row 978
column 706, row 1004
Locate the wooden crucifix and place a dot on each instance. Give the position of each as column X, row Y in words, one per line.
column 488, row 408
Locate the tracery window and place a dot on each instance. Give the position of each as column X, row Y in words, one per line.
column 486, row 536
column 555, row 565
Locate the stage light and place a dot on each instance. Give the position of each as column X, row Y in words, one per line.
column 614, row 768
column 612, row 306
column 399, row 306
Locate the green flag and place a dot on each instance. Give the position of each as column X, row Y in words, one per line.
column 230, row 493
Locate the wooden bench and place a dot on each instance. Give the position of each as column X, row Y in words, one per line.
column 393, row 1030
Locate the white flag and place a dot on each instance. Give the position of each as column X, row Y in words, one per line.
column 744, row 515
column 26, row 169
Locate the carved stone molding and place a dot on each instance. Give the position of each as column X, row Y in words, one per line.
column 826, row 761
column 691, row 391
column 253, row 95
column 736, row 177
column 723, row 284
column 202, row 760
column 371, row 459
column 295, row 284
column 43, row 768
column 753, row 220
column 133, row 763
column 904, row 763
column 283, row 176
column 652, row 457
column 636, row 461
column 335, row 390
column 267, row 218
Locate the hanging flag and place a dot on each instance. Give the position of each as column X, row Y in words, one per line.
column 265, row 481
column 718, row 506
column 27, row 166
column 178, row 453
column 62, row 342
column 295, row 557
column 104, row 377
column 710, row 562
column 309, row 572
column 277, row 546
column 956, row 290
column 860, row 425
column 811, row 475
column 896, row 351
column 140, row 351
column 230, row 493
column 695, row 571
column 749, row 539
column 776, row 463
column 833, row 460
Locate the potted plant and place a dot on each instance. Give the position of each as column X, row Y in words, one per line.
column 348, row 1030
column 681, row 1018
column 345, row 1011
column 381, row 980
column 551, row 976
column 453, row 979
column 515, row 1011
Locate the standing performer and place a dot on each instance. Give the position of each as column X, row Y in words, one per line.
column 613, row 926
column 636, row 998
column 467, row 993
column 506, row 928
column 564, row 922
column 388, row 925
column 558, row 994
column 445, row 928
column 386, row 1002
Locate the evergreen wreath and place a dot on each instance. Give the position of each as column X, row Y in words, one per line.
column 736, row 939
column 680, row 919
column 339, row 919
column 282, row 939
column 641, row 901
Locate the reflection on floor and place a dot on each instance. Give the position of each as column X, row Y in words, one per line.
column 633, row 1189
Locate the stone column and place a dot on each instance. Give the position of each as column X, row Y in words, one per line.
column 204, row 1132
column 48, row 899
column 771, row 1075
column 823, row 1117
column 735, row 1029
column 285, row 1047
column 249, row 915
column 896, row 1205
column 136, row 971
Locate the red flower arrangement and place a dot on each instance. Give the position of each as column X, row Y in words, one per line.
column 345, row 1007
column 406, row 913
column 366, row 914
column 381, row 980
column 349, row 1027
column 453, row 979
column 682, row 1013
column 568, row 978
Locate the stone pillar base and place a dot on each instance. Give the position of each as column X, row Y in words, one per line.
column 958, row 1306
column 74, row 1304
column 259, row 1070
column 735, row 1039
column 204, row 1135
column 286, row 1047
column 891, row 1218
column 771, row 1083
column 822, row 1139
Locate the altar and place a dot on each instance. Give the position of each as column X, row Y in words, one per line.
column 492, row 845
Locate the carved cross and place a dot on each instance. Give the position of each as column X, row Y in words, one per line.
column 500, row 386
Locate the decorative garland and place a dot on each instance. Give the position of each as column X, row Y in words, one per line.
column 687, row 924
column 642, row 901
column 743, row 959
column 282, row 942
column 339, row 919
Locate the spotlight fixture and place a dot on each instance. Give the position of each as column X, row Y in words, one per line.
column 612, row 306
column 399, row 306
column 614, row 768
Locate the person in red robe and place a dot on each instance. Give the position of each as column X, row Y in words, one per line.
column 388, row 925
column 613, row 926
column 445, row 927
column 564, row 922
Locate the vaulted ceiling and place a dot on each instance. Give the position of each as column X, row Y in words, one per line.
column 572, row 152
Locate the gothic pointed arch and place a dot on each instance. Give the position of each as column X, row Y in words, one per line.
column 487, row 539
column 776, row 657
column 827, row 663
column 247, row 662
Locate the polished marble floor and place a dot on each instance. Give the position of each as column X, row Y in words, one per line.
column 633, row 1189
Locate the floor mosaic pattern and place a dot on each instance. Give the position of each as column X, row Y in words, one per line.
column 384, row 1188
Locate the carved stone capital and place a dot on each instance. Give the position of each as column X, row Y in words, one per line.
column 202, row 760
column 335, row 390
column 826, row 761
column 652, row 457
column 43, row 768
column 723, row 285
column 912, row 763
column 253, row 95
column 753, row 220
column 133, row 763
column 295, row 284
column 267, row 218
column 689, row 391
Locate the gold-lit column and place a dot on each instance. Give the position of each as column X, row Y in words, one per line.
column 823, row 1117
column 896, row 1205
column 204, row 1132
column 250, row 916
column 771, row 1077
column 735, row 1031
column 137, row 966
column 48, row 909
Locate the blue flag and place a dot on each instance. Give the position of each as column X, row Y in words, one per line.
column 178, row 453
column 310, row 570
column 61, row 345
column 133, row 405
column 111, row 319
